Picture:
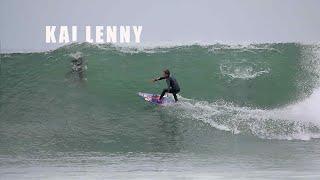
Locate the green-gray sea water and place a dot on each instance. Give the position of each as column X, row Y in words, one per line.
column 244, row 111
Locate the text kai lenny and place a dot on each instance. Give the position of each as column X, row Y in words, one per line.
column 95, row 34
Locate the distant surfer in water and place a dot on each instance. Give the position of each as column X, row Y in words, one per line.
column 77, row 64
column 173, row 86
column 78, row 67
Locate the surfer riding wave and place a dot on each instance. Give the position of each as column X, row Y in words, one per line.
column 172, row 83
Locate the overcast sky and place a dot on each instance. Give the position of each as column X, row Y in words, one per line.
column 22, row 23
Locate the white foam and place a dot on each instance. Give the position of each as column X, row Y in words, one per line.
column 306, row 110
column 288, row 123
column 243, row 70
column 245, row 47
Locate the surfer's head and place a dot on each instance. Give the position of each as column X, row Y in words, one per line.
column 166, row 73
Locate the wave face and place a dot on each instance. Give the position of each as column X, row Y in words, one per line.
column 267, row 91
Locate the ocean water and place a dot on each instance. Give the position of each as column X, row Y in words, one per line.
column 244, row 112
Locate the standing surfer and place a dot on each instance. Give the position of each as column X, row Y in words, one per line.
column 173, row 86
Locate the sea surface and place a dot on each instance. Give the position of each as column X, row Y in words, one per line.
column 244, row 112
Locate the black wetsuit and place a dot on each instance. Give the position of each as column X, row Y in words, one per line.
column 173, row 87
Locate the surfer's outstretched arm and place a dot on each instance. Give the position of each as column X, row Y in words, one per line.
column 158, row 79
